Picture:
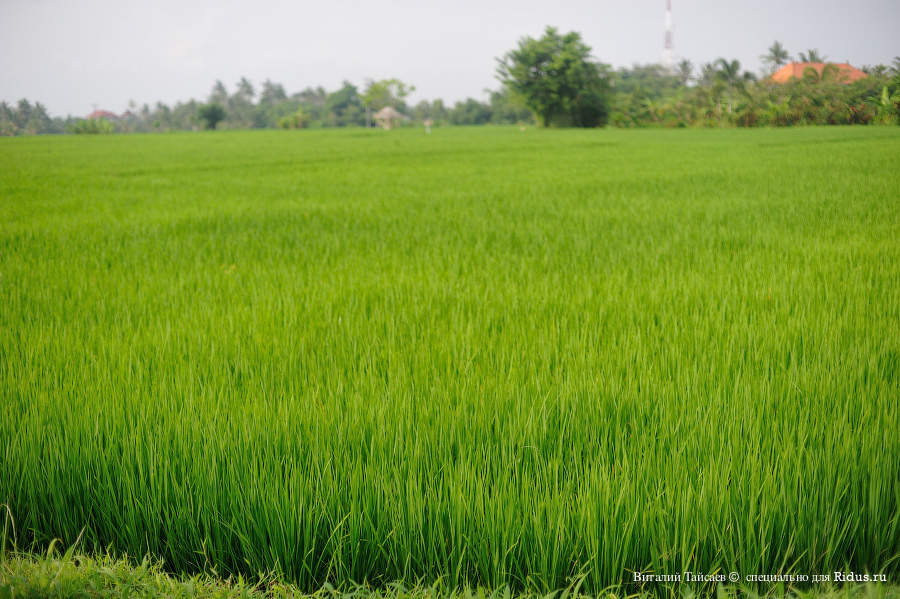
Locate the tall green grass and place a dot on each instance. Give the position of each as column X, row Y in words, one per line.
column 481, row 356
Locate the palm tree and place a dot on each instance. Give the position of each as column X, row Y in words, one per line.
column 707, row 74
column 830, row 72
column 777, row 56
column 729, row 73
column 876, row 70
column 812, row 56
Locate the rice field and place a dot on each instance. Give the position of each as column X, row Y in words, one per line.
column 477, row 357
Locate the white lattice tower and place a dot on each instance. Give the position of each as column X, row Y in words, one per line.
column 668, row 57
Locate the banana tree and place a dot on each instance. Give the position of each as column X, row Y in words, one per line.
column 889, row 107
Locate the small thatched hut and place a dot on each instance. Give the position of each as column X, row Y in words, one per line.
column 388, row 118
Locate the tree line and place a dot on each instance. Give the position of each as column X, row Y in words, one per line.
column 722, row 93
column 551, row 81
column 245, row 107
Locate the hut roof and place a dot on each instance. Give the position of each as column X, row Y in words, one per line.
column 388, row 112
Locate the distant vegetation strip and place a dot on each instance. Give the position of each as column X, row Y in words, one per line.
column 715, row 94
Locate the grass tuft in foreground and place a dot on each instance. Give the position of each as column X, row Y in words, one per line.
column 72, row 576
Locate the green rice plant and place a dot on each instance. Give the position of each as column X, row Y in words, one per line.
column 489, row 358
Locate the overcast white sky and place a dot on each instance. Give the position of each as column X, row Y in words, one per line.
column 73, row 55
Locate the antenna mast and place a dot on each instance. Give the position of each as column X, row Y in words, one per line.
column 668, row 58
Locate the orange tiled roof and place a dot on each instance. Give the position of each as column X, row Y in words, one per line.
column 846, row 72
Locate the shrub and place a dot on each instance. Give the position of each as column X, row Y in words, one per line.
column 91, row 127
column 298, row 120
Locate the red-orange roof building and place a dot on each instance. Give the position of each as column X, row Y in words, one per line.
column 846, row 72
column 103, row 114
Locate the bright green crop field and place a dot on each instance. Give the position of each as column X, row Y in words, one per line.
column 480, row 357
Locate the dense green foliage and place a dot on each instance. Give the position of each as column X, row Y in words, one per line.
column 96, row 126
column 26, row 118
column 722, row 94
column 481, row 356
column 298, row 120
column 555, row 77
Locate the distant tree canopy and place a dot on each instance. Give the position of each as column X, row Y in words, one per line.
column 26, row 118
column 211, row 114
column 344, row 106
column 556, row 79
column 385, row 92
